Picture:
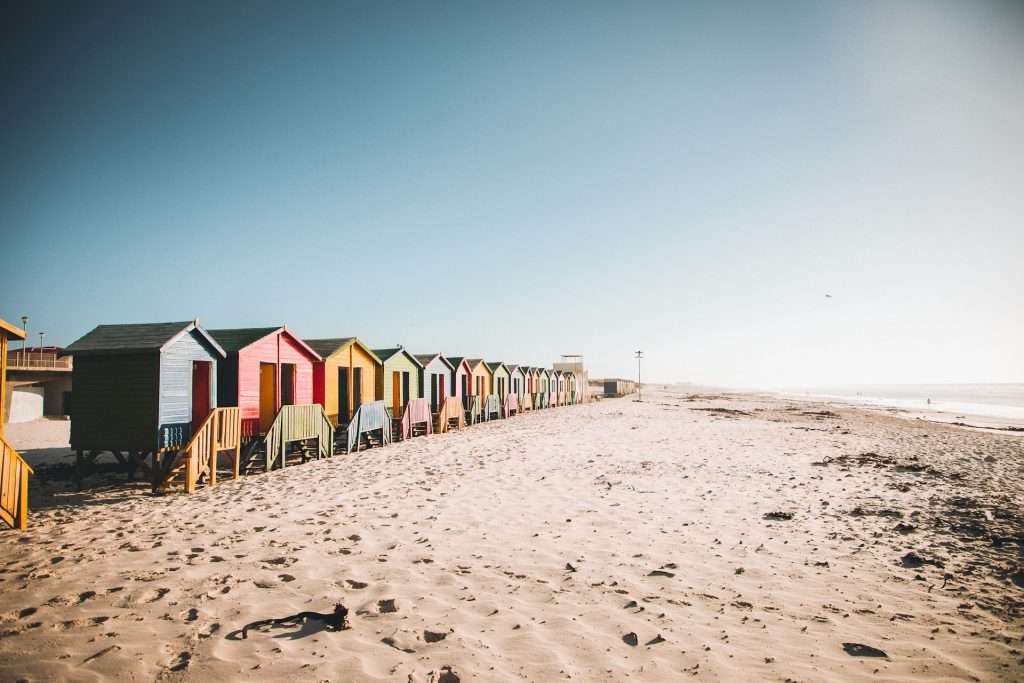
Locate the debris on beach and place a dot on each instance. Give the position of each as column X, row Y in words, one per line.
column 861, row 650
column 631, row 639
column 779, row 516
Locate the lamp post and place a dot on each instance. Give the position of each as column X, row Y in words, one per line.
column 639, row 391
column 24, row 326
column 41, row 348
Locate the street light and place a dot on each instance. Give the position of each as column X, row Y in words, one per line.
column 41, row 348
column 639, row 391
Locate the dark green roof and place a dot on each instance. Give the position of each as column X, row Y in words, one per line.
column 240, row 337
column 386, row 354
column 132, row 338
column 326, row 347
column 494, row 366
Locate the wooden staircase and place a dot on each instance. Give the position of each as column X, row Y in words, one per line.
column 220, row 431
column 14, row 474
column 298, row 423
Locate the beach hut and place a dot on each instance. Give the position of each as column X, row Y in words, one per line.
column 14, row 471
column 461, row 377
column 435, row 379
column 398, row 379
column 481, row 377
column 268, row 376
column 345, row 379
column 481, row 386
column 265, row 368
column 517, row 380
column 149, row 390
column 570, row 388
column 502, row 381
column 544, row 388
column 557, row 388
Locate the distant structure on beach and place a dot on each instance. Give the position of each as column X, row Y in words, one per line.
column 613, row 388
column 573, row 363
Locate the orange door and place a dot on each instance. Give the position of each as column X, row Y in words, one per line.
column 268, row 395
column 396, row 392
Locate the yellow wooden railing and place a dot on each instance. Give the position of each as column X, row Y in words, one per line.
column 220, row 431
column 296, row 423
column 14, row 473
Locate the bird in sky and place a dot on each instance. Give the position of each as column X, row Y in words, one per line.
column 828, row 296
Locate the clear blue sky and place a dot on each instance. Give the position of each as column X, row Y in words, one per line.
column 519, row 180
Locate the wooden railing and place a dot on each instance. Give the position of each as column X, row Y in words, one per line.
column 220, row 431
column 297, row 423
column 14, row 473
column 29, row 360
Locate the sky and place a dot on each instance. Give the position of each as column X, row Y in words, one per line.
column 521, row 180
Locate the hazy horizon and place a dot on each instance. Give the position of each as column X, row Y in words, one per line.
column 755, row 194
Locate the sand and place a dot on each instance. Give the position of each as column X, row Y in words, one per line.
column 713, row 538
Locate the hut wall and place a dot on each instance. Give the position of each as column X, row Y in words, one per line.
column 175, row 411
column 400, row 363
column 456, row 380
column 482, row 371
column 325, row 380
column 274, row 348
column 115, row 404
column 436, row 368
column 501, row 382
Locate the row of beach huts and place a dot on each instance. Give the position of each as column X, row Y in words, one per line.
column 186, row 405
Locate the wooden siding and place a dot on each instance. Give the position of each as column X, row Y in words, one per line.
column 175, row 410
column 400, row 362
column 350, row 356
column 115, row 405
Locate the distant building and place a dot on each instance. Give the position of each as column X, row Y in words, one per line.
column 573, row 363
column 38, row 382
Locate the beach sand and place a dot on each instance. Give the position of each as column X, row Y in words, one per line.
column 735, row 537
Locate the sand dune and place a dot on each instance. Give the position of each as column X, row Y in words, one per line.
column 718, row 538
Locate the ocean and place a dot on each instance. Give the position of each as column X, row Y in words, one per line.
column 1004, row 401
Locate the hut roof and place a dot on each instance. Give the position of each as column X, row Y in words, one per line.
column 495, row 365
column 326, row 347
column 240, row 337
column 386, row 355
column 513, row 368
column 426, row 359
column 133, row 338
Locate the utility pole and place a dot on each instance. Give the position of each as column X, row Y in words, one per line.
column 41, row 348
column 639, row 391
column 24, row 326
